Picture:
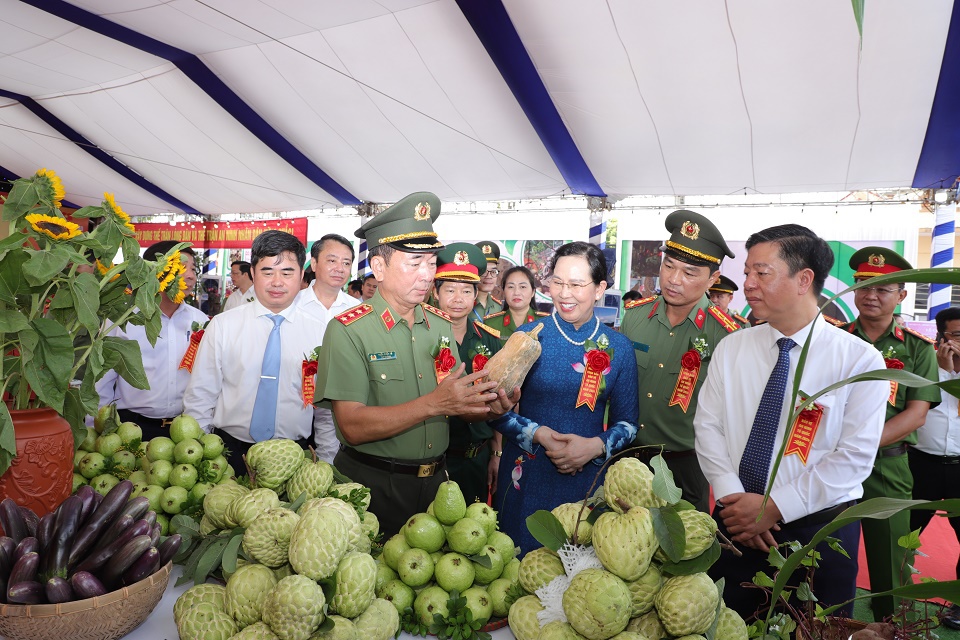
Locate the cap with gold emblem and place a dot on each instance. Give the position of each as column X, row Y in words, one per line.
column 406, row 226
column 724, row 285
column 461, row 262
column 490, row 250
column 694, row 239
column 876, row 261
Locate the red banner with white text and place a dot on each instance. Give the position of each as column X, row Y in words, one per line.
column 217, row 235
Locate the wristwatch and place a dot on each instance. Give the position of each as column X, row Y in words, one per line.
column 499, row 453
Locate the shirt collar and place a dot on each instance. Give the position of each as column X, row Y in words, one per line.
column 261, row 310
column 816, row 325
column 388, row 316
column 893, row 330
column 697, row 315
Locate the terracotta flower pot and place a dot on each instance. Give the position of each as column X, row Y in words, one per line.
column 41, row 476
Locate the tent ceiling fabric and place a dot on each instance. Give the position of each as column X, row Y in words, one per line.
column 387, row 97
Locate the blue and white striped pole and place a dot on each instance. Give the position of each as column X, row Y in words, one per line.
column 598, row 229
column 362, row 259
column 210, row 261
column 942, row 256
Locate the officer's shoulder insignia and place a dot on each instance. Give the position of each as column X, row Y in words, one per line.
column 541, row 314
column 637, row 303
column 500, row 302
column 437, row 312
column 483, row 327
column 834, row 321
column 352, row 315
column 917, row 334
column 494, row 315
column 739, row 318
column 725, row 321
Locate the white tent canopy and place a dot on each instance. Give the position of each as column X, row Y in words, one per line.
column 228, row 106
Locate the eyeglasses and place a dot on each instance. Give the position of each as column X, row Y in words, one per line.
column 574, row 287
column 880, row 291
column 952, row 335
column 491, row 272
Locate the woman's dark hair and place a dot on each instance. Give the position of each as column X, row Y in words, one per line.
column 590, row 252
column 513, row 270
column 800, row 248
column 274, row 243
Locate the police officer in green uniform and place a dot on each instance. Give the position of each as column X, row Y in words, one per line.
column 673, row 335
column 472, row 444
column 907, row 408
column 387, row 370
column 721, row 293
column 486, row 303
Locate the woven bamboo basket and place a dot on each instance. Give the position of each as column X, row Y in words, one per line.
column 105, row 617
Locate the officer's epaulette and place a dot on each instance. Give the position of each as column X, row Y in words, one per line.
column 917, row 334
column 352, row 315
column 494, row 315
column 725, row 321
column 500, row 302
column 437, row 312
column 541, row 314
column 739, row 318
column 490, row 330
column 834, row 321
column 636, row 303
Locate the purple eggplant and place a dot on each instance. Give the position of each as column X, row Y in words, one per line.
column 168, row 548
column 101, row 519
column 27, row 545
column 12, row 520
column 155, row 535
column 45, row 530
column 58, row 590
column 28, row 592
column 96, row 559
column 87, row 493
column 86, row 585
column 25, row 569
column 151, row 517
column 122, row 560
column 144, row 566
column 68, row 522
column 30, row 519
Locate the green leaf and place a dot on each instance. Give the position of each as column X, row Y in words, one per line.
column 910, row 541
column 86, row 293
column 762, row 580
column 139, row 271
column 87, row 212
column 670, row 532
column 327, row 625
column 485, row 561
column 129, row 364
column 75, row 413
column 43, row 265
column 858, row 16
column 8, row 439
column 47, row 361
column 12, row 282
column 12, row 321
column 63, row 300
column 210, row 560
column 711, row 633
column 683, row 505
column 190, row 568
column 295, row 506
column 775, row 558
column 12, row 242
column 546, row 529
column 663, row 485
column 23, row 196
column 329, row 587
column 805, row 593
column 694, row 565
column 185, row 525
column 229, row 561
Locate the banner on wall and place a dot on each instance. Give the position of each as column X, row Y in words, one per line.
column 217, row 235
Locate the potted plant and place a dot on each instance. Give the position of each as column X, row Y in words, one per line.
column 61, row 295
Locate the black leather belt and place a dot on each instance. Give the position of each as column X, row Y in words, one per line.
column 132, row 416
column 820, row 517
column 419, row 469
column 893, row 452
column 472, row 452
column 935, row 458
column 648, row 454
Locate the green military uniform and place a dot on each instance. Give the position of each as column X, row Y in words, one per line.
column 891, row 476
column 373, row 356
column 491, row 253
column 481, row 311
column 667, row 406
column 503, row 321
column 726, row 285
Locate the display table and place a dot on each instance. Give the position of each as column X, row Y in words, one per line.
column 160, row 626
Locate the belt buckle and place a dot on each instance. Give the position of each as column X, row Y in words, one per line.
column 472, row 452
column 166, row 422
column 427, row 470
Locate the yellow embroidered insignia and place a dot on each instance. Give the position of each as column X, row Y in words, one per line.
column 725, row 321
column 422, row 211
column 636, row 303
column 876, row 261
column 487, row 250
column 437, row 312
column 488, row 329
column 461, row 258
column 917, row 334
column 352, row 315
column 690, row 230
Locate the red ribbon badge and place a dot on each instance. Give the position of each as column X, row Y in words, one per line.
column 804, row 429
column 597, row 362
column 191, row 353
column 444, row 363
column 893, row 363
column 686, row 380
column 308, row 384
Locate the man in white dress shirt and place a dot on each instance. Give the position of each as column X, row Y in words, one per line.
column 227, row 372
column 241, row 278
column 153, row 408
column 331, row 258
column 935, row 459
column 830, row 451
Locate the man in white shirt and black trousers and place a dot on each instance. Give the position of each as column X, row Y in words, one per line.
column 742, row 415
column 247, row 378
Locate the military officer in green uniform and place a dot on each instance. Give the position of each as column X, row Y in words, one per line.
column 389, row 373
column 907, row 408
column 486, row 303
column 673, row 335
column 721, row 293
column 473, row 456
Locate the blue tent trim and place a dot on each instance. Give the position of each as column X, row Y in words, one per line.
column 492, row 24
column 939, row 163
column 76, row 138
column 205, row 79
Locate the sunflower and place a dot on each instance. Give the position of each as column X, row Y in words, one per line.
column 103, row 269
column 171, row 269
column 182, row 293
column 54, row 187
column 110, row 205
column 53, row 227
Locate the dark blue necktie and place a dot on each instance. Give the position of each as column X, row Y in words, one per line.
column 755, row 462
column 263, row 422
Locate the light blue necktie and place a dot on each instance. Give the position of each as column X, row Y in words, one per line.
column 263, row 422
column 755, row 462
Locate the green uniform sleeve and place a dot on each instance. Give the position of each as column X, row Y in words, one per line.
column 341, row 367
column 925, row 365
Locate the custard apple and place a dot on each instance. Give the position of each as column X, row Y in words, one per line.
column 538, row 568
column 692, row 636
column 558, row 630
column 213, row 594
column 318, row 543
column 267, row 538
column 217, row 501
column 370, row 524
column 629, row 635
column 345, row 491
column 630, row 481
column 597, row 604
column 206, row 622
column 731, row 626
column 687, row 604
column 357, row 539
column 568, row 514
column 256, row 631
column 283, row 571
column 523, row 618
column 294, row 608
column 379, row 622
column 648, row 625
column 207, row 526
column 643, row 590
column 246, row 590
column 274, row 462
column 625, row 542
column 343, row 629
column 356, row 579
column 312, row 478
column 248, row 507
column 700, row 531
